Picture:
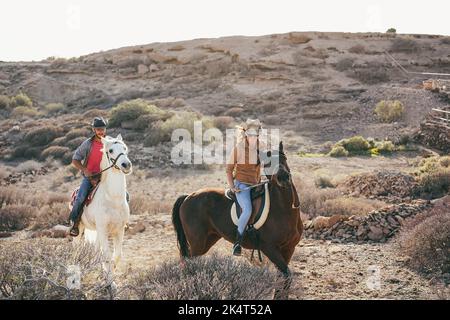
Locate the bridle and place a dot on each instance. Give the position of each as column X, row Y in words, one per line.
column 293, row 205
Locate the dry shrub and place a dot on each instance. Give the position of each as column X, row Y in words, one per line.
column 389, row 111
column 43, row 135
column 27, row 166
column 144, row 204
column 4, row 173
column 20, row 209
column 312, row 199
column 297, row 38
column 324, row 181
column 75, row 143
column 26, row 152
column 53, row 108
column 344, row 64
column 372, row 74
column 404, row 45
column 235, row 112
column 52, row 214
column 358, row 49
column 204, row 278
column 92, row 113
column 435, row 184
column 223, row 122
column 15, row 217
column 48, row 269
column 77, row 133
column 55, row 152
column 426, row 240
column 350, row 206
column 22, row 111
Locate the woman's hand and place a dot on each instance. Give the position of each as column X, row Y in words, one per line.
column 236, row 190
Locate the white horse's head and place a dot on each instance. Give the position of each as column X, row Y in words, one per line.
column 117, row 151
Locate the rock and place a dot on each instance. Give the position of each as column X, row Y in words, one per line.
column 375, row 233
column 137, row 228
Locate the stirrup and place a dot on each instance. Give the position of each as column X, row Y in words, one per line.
column 237, row 249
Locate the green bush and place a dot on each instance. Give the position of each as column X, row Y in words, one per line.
column 355, row 145
column 21, row 100
column 389, row 111
column 4, row 102
column 23, row 111
column 391, row 30
column 42, row 136
column 134, row 109
column 56, row 152
column 52, row 108
column 338, row 151
column 385, row 147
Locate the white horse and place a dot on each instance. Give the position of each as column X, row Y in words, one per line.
column 108, row 213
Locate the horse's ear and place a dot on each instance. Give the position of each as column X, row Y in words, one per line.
column 281, row 147
column 119, row 137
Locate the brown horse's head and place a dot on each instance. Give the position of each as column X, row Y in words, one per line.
column 280, row 174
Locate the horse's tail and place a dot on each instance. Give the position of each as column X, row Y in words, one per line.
column 183, row 245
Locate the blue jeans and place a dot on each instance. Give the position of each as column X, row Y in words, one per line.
column 83, row 192
column 245, row 202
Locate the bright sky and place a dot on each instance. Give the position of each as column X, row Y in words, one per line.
column 35, row 30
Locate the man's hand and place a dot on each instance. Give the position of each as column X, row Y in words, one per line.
column 86, row 172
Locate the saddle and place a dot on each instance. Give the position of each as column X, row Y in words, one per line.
column 260, row 206
column 89, row 197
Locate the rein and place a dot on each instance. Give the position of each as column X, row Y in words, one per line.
column 113, row 161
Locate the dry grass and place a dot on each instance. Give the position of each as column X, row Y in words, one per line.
column 204, row 278
column 20, row 209
column 426, row 241
column 29, row 165
column 349, row 206
column 47, row 269
column 389, row 111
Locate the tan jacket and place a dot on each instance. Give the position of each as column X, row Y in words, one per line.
column 244, row 165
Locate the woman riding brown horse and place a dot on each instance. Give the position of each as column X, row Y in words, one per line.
column 203, row 217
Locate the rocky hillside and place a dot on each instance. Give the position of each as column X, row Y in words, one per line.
column 321, row 86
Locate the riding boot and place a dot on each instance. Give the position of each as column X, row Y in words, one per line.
column 237, row 249
column 74, row 231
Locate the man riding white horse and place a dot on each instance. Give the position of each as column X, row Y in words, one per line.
column 87, row 158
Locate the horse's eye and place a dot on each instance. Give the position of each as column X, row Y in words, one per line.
column 110, row 150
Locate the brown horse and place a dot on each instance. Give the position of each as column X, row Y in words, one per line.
column 203, row 217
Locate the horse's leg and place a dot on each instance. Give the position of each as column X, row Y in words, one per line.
column 103, row 245
column 279, row 260
column 79, row 239
column 118, row 241
column 202, row 246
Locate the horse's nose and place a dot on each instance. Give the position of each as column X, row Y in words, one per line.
column 124, row 165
